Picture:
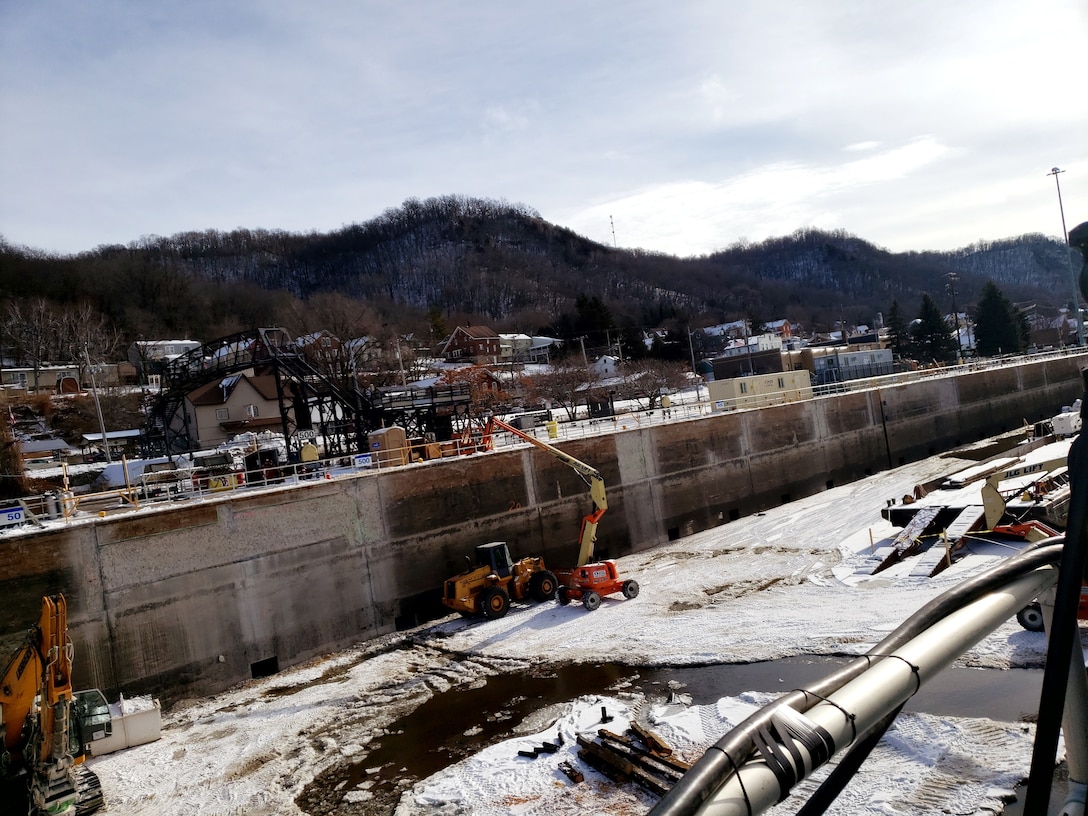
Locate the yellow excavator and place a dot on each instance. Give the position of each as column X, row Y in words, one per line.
column 43, row 748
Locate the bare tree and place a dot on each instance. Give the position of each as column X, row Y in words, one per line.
column 85, row 333
column 347, row 320
column 12, row 478
column 652, row 379
column 564, row 387
column 486, row 390
column 33, row 328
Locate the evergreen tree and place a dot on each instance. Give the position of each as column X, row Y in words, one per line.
column 634, row 347
column 898, row 335
column 593, row 315
column 1023, row 329
column 931, row 336
column 1000, row 328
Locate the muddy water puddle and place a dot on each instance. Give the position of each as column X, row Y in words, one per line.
column 464, row 720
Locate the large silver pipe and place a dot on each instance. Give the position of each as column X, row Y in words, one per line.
column 864, row 701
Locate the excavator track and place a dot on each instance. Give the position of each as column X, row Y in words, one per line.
column 89, row 791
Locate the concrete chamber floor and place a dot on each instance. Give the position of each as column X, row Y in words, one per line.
column 338, row 735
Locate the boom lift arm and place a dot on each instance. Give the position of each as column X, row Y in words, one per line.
column 587, row 534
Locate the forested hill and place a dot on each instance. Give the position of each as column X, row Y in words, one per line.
column 504, row 265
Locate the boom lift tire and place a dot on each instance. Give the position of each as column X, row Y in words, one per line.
column 494, row 602
column 630, row 589
column 1031, row 617
column 591, row 600
column 543, row 586
column 563, row 595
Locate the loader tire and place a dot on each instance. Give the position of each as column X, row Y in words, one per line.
column 591, row 600
column 543, row 586
column 630, row 589
column 494, row 602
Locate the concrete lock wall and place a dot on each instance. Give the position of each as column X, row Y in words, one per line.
column 188, row 600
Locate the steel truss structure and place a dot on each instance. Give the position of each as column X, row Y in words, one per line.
column 312, row 402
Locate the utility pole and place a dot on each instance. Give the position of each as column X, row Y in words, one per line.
column 97, row 405
column 748, row 347
column 613, row 225
column 1069, row 260
column 952, row 278
column 400, row 364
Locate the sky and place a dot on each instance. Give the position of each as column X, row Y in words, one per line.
column 787, row 582
column 680, row 128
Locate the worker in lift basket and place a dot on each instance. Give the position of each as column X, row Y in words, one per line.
column 666, row 406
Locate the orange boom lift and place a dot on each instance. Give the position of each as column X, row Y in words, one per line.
column 587, row 581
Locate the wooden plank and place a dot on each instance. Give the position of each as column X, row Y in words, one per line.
column 905, row 542
column 573, row 774
column 934, row 560
column 657, row 746
column 594, row 752
column 910, row 534
column 662, row 766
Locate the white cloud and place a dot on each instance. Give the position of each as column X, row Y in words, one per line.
column 695, row 217
column 692, row 124
column 718, row 97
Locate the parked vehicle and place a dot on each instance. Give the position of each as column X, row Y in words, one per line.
column 488, row 588
column 216, row 471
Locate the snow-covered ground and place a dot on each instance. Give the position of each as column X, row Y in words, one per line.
column 777, row 584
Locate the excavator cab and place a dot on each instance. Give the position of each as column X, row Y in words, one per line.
column 91, row 713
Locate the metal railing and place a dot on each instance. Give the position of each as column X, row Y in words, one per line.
column 158, row 487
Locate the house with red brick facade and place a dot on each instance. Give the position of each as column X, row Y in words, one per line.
column 473, row 344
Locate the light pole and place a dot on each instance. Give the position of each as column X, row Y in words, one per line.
column 1068, row 259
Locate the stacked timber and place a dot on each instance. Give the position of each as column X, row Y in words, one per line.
column 650, row 764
